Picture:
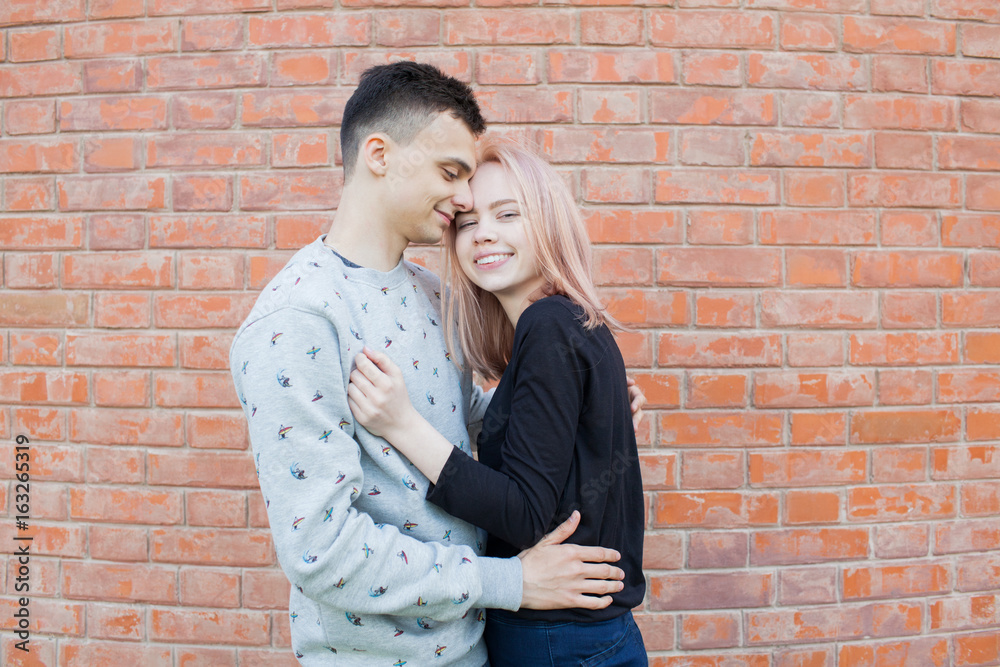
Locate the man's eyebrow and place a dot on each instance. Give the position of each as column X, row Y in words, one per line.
column 462, row 165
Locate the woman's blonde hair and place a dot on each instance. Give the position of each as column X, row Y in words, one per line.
column 555, row 229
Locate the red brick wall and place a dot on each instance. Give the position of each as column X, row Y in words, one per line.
column 796, row 203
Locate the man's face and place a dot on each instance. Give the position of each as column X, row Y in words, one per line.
column 428, row 179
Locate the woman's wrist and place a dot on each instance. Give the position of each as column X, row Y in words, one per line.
column 401, row 434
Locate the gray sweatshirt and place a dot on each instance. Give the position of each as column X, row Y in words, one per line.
column 379, row 575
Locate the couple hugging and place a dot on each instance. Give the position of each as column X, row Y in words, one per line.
column 354, row 370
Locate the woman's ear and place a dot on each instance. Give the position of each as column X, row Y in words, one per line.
column 373, row 151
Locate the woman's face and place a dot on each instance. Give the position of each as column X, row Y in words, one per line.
column 491, row 243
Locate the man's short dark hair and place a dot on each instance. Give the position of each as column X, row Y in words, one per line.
column 400, row 99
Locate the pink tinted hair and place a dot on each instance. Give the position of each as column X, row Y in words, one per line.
column 556, row 231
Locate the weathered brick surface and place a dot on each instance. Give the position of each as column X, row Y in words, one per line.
column 795, row 206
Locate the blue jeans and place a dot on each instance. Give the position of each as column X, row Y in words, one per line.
column 513, row 642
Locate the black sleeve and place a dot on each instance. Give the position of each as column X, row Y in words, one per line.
column 518, row 502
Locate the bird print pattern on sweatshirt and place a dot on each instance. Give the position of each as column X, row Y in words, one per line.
column 428, row 373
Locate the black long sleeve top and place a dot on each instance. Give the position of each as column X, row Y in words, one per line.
column 556, row 437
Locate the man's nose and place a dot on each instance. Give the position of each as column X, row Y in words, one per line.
column 463, row 198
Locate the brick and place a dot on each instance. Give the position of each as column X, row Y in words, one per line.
column 709, row 106
column 263, row 589
column 623, row 266
column 112, row 76
column 982, row 192
column 626, row 185
column 45, row 156
column 793, row 626
column 34, row 45
column 971, row 535
column 809, row 109
column 208, row 587
column 128, row 270
column 36, row 349
column 115, row 465
column 980, row 348
column 899, row 464
column 711, row 29
column 289, row 190
column 205, row 150
column 646, row 307
column 968, row 386
column 811, row 585
column 18, row 12
column 909, row 310
column 814, row 188
column 508, row 26
column 880, row 112
column 122, row 582
column 111, row 154
column 217, row 509
column 611, row 26
column 262, row 268
column 212, row 34
column 240, row 628
column 973, row 230
column 124, row 389
column 132, row 349
column 200, row 546
column 984, row 269
column 208, row 231
column 53, row 387
column 804, row 507
column 658, row 472
column 187, row 311
column 783, row 389
column 717, row 549
column 814, row 71
column 122, row 310
column 111, row 193
column 618, row 66
column 310, row 30
column 980, row 41
column 817, row 227
column 507, row 67
column 115, row 9
column 578, row 144
column 115, row 622
column 904, row 190
column 180, row 389
column 981, row 498
column 213, row 110
column 34, row 270
column 117, row 38
column 720, row 227
column 125, row 505
column 217, row 431
column 407, row 27
column 969, row 153
column 815, row 349
column 726, row 429
column 965, row 78
column 971, row 309
column 809, row 32
column 292, row 109
column 905, row 426
column 301, row 149
column 610, row 106
column 712, row 68
column 892, row 35
column 711, row 147
column 710, row 591
column 910, row 228
column 42, row 423
column 30, row 117
column 719, row 350
column 81, row 654
column 132, row 427
column 900, row 503
column 808, row 545
column 831, row 6
column 822, row 310
column 204, row 351
column 202, row 193
column 901, row 541
column 718, row 186
column 908, row 269
column 899, row 74
column 705, row 631
column 964, row 613
column 627, row 226
column 905, row 387
column 26, row 309
column 866, row 583
column 210, row 271
column 967, row 462
column 819, row 467
column 788, row 149
column 215, row 71
column 724, row 310
column 712, row 470
column 815, row 268
column 301, row 69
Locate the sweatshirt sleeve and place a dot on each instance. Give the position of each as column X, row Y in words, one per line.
column 288, row 374
column 517, row 502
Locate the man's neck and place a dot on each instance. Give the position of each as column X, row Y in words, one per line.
column 361, row 236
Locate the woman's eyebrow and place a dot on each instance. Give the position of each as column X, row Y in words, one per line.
column 501, row 202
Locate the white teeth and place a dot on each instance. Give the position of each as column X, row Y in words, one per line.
column 491, row 259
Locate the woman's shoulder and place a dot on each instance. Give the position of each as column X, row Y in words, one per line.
column 556, row 312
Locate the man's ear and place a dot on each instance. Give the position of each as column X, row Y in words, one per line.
column 374, row 151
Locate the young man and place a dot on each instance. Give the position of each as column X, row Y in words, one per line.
column 379, row 575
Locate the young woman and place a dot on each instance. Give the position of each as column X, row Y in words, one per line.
column 557, row 436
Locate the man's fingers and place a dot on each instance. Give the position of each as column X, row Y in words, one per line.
column 597, row 555
column 591, row 602
column 563, row 530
